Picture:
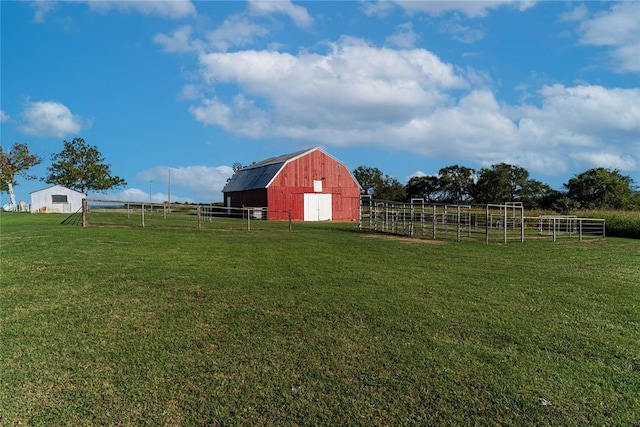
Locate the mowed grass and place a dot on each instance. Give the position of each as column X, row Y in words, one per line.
column 321, row 326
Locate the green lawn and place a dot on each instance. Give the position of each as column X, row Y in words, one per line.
column 321, row 326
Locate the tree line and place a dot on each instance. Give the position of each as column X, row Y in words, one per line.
column 79, row 166
column 597, row 188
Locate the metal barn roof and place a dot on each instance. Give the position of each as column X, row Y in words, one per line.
column 259, row 175
column 58, row 187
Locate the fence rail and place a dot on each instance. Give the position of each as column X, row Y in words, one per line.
column 201, row 217
column 559, row 227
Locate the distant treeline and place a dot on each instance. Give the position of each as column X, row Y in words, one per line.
column 597, row 188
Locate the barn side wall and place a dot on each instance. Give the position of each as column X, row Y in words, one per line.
column 287, row 190
column 250, row 198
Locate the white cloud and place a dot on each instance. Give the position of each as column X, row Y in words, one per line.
column 379, row 8
column 172, row 9
column 179, row 41
column 417, row 174
column 4, row 117
column 42, row 7
column 339, row 97
column 357, row 94
column 472, row 9
column 349, row 64
column 405, row 37
column 588, row 125
column 190, row 92
column 213, row 112
column 138, row 195
column 204, row 181
column 618, row 25
column 618, row 29
column 577, row 14
column 609, row 159
column 454, row 14
column 50, row 119
column 461, row 32
column 298, row 14
column 236, row 30
column 595, row 110
column 473, row 128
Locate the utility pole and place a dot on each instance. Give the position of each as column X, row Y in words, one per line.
column 169, row 191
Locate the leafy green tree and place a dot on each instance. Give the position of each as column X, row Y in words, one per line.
column 369, row 179
column 81, row 167
column 15, row 163
column 391, row 189
column 635, row 199
column 501, row 183
column 601, row 188
column 564, row 205
column 537, row 195
column 456, row 184
column 379, row 185
column 424, row 187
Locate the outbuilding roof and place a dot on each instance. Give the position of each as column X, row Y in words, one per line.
column 58, row 188
column 259, row 175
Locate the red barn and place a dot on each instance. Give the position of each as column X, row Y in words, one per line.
column 311, row 184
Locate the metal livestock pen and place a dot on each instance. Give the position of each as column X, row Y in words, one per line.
column 489, row 223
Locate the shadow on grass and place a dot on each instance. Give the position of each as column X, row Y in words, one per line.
column 73, row 219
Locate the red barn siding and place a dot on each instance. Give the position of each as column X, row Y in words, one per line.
column 282, row 200
column 296, row 178
column 286, row 191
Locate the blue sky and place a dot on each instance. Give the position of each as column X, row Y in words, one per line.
column 407, row 87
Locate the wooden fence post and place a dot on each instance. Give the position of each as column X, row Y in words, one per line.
column 85, row 206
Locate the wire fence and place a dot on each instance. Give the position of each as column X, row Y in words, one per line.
column 99, row 212
column 488, row 223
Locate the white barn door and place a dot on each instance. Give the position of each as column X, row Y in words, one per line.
column 317, row 207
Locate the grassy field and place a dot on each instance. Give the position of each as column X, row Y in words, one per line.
column 321, row 326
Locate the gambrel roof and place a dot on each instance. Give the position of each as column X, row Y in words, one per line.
column 259, row 175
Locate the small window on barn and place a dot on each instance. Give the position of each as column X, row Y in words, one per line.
column 317, row 186
column 58, row 198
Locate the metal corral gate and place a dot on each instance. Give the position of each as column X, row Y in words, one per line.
column 492, row 222
column 565, row 226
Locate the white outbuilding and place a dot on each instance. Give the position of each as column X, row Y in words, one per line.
column 56, row 199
